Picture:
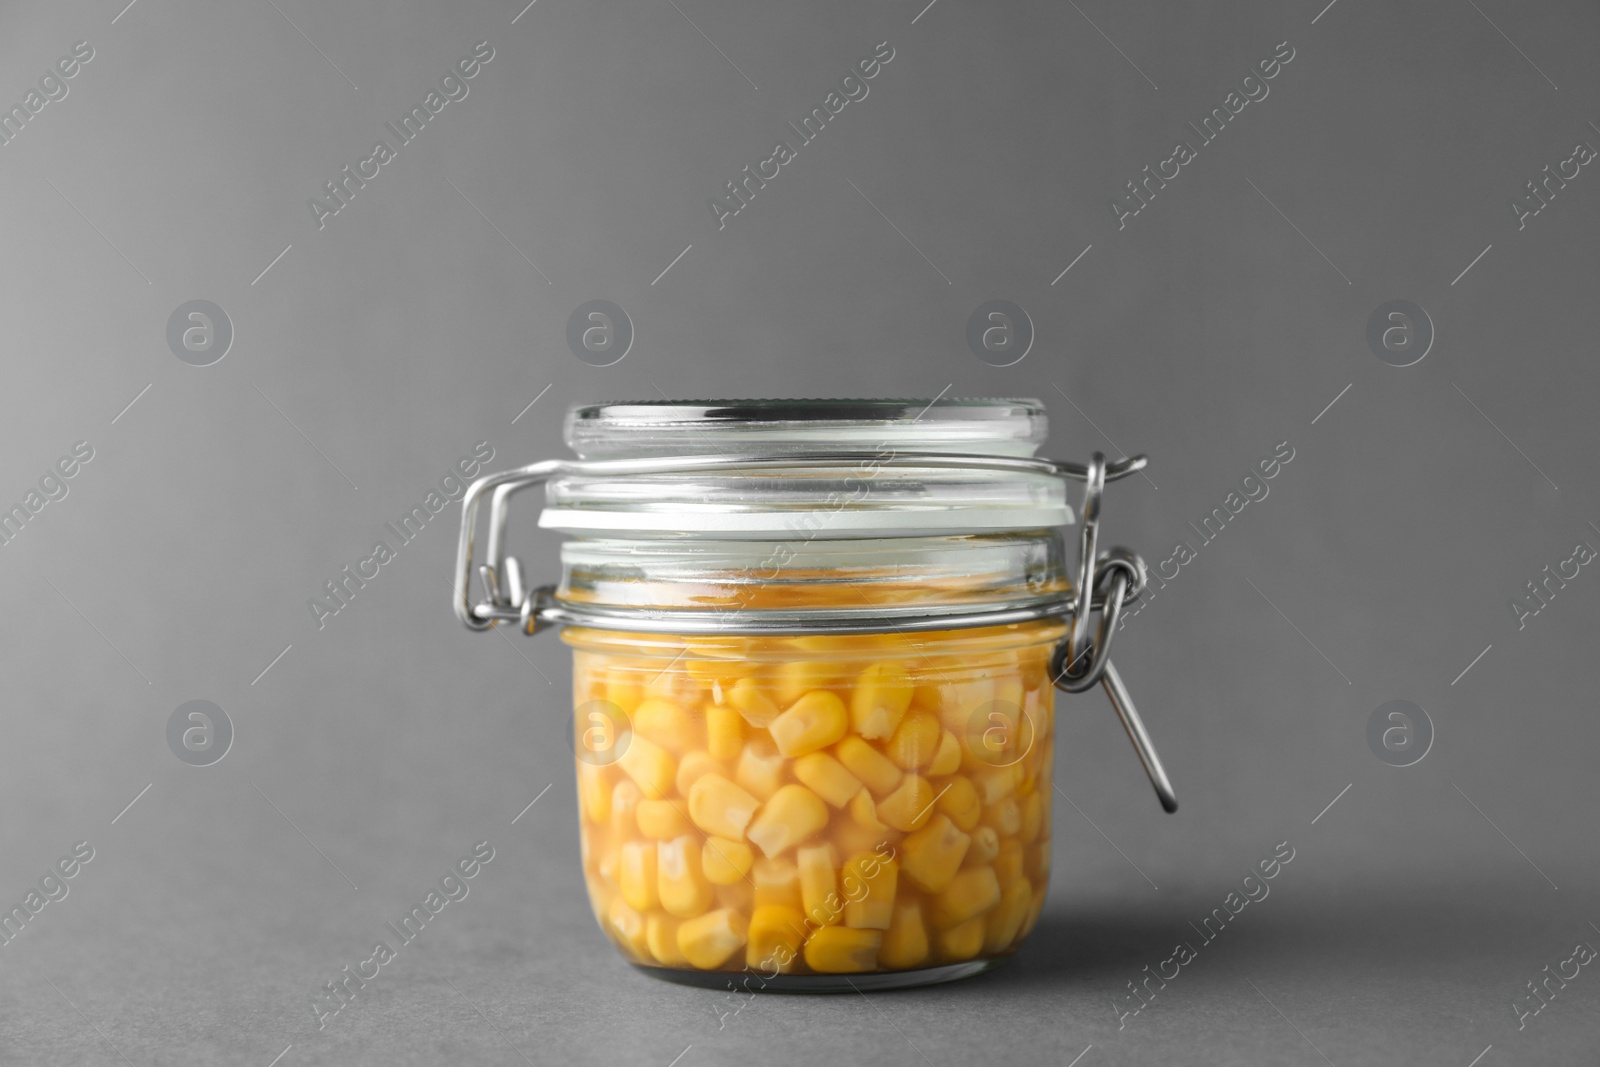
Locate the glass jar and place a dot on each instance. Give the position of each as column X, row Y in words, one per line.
column 815, row 651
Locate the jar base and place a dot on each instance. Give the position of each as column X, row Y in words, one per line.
column 825, row 983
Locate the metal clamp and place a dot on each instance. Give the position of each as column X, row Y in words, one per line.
column 1106, row 582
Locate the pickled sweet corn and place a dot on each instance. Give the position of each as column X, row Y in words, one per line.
column 816, row 805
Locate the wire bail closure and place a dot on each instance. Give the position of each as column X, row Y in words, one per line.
column 1106, row 582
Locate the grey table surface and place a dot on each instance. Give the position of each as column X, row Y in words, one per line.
column 371, row 348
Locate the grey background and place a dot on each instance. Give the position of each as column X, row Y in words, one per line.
column 1208, row 330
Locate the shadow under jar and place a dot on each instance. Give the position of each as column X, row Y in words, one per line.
column 814, row 647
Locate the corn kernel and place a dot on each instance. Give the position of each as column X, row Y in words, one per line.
column 625, row 797
column 672, row 726
column 776, row 882
column 749, row 701
column 813, row 722
column 721, row 808
column 826, row 777
column 963, row 941
column 819, row 881
column 915, row 742
column 708, row 941
column 1032, row 818
column 797, row 677
column 724, row 731
column 948, row 759
column 985, row 847
column 843, row 950
column 760, row 768
column 628, row 928
column 692, row 766
column 905, row 944
column 970, row 893
column 869, row 884
column 1036, row 860
column 624, row 690
column 1035, row 909
column 776, row 933
column 648, row 764
column 1000, row 926
column 881, row 696
column 875, row 770
column 661, row 934
column 682, row 886
column 792, row 815
column 909, row 806
column 931, row 856
column 725, row 862
column 636, row 874
column 1004, row 815
column 995, row 785
column 1008, row 864
column 661, row 820
column 960, row 801
column 594, row 791
column 864, row 813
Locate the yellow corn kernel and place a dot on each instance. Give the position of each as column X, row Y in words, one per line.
column 843, row 950
column 721, row 808
column 1008, row 864
column 1035, row 909
column 813, row 722
column 776, row 933
column 741, row 896
column 958, row 701
column 797, row 677
column 960, row 801
column 661, row 934
column 1004, row 815
column 682, row 886
column 661, row 820
column 692, row 766
column 970, row 893
column 819, row 882
column 915, row 743
column 714, row 672
column 607, row 867
column 962, row 941
column 636, row 874
column 725, row 862
column 996, row 784
column 708, row 941
column 792, row 815
column 594, row 791
column 1036, row 860
column 671, row 684
column 1032, row 818
column 869, row 884
column 931, row 856
column 648, row 764
column 628, row 928
column 625, row 797
column 760, row 768
column 672, row 726
column 875, row 770
column 948, row 759
column 1000, row 926
column 881, row 696
column 909, row 806
column 776, row 882
column 826, row 777
column 864, row 813
column 905, row 943
column 724, row 731
column 754, row 705
column 985, row 847
column 624, row 690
